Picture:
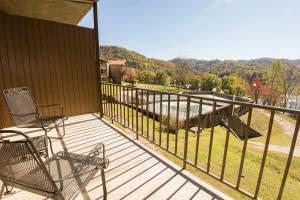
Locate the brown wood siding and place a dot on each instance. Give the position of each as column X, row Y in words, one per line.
column 56, row 61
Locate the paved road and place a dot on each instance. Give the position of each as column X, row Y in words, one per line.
column 275, row 148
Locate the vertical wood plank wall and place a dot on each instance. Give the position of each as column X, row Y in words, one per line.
column 56, row 61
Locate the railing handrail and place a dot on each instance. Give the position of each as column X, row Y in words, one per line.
column 266, row 107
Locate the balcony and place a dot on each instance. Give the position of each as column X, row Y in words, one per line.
column 234, row 141
column 150, row 159
column 161, row 145
column 135, row 170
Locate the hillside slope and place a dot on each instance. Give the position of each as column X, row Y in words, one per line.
column 226, row 67
column 134, row 59
column 246, row 68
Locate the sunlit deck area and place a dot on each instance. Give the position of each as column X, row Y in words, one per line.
column 135, row 171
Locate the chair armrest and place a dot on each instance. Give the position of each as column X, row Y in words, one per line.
column 96, row 151
column 51, row 105
column 38, row 115
column 43, row 138
column 26, row 114
column 56, row 104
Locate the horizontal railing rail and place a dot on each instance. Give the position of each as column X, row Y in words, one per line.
column 166, row 120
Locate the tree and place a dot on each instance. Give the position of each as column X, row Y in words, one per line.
column 275, row 79
column 195, row 81
column 146, row 76
column 234, row 85
column 291, row 81
column 297, row 93
column 182, row 77
column 256, row 89
column 282, row 79
column 162, row 78
column 269, row 96
column 195, row 84
column 130, row 75
column 210, row 81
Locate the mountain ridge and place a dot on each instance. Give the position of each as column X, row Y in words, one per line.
column 220, row 67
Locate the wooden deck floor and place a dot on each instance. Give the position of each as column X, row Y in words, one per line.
column 135, row 172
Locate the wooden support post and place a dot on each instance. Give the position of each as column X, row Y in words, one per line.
column 97, row 57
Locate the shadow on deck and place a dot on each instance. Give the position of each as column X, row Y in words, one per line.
column 135, row 172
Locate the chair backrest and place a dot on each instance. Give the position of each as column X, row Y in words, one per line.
column 20, row 164
column 20, row 102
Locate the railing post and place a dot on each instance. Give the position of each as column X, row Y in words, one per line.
column 127, row 99
column 137, row 112
column 114, row 102
column 168, row 123
column 132, row 120
column 198, row 132
column 104, row 100
column 117, row 103
column 120, row 104
column 153, row 118
column 142, row 112
column 160, row 117
column 177, row 121
column 212, row 123
column 244, row 150
column 262, row 166
column 124, row 107
column 147, row 109
column 186, row 139
column 231, row 112
column 111, row 104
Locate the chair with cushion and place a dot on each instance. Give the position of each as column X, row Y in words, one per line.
column 62, row 176
column 26, row 114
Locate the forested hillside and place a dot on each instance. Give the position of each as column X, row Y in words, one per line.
column 274, row 79
column 249, row 69
column 222, row 68
column 134, row 59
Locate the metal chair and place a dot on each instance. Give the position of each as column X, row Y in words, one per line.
column 62, row 176
column 25, row 113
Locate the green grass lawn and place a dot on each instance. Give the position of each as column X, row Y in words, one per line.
column 287, row 118
column 273, row 170
column 161, row 87
column 260, row 122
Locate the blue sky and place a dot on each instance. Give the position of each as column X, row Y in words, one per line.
column 203, row 29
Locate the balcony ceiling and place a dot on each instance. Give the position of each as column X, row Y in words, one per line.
column 63, row 11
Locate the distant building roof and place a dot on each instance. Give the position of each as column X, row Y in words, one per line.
column 117, row 62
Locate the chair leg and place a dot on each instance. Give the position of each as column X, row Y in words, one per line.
column 50, row 143
column 64, row 130
column 103, row 183
column 2, row 190
column 51, row 148
column 5, row 190
column 46, row 154
column 57, row 130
